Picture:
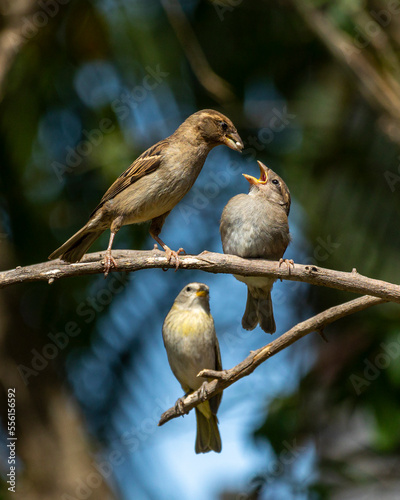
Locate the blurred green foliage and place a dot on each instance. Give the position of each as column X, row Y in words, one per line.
column 333, row 154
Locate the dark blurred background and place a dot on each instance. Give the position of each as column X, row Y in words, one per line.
column 314, row 90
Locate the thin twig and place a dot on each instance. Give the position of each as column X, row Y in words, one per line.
column 228, row 377
column 18, row 27
column 213, row 83
column 379, row 90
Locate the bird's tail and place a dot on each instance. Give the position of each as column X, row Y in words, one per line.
column 208, row 437
column 76, row 247
column 259, row 310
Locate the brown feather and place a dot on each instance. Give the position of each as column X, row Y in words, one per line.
column 156, row 181
column 145, row 164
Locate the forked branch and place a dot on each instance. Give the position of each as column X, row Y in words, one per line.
column 222, row 380
column 375, row 292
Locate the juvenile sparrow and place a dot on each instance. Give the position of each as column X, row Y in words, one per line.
column 255, row 225
column 192, row 345
column 154, row 183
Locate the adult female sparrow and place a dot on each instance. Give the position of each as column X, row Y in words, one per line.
column 154, row 183
column 192, row 345
column 255, row 225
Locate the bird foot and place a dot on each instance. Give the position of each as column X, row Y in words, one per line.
column 171, row 253
column 288, row 262
column 109, row 262
column 203, row 392
column 179, row 407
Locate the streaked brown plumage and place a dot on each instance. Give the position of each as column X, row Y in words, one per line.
column 155, row 182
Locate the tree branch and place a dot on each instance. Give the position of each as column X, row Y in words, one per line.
column 378, row 87
column 16, row 31
column 225, row 378
column 134, row 260
column 213, row 83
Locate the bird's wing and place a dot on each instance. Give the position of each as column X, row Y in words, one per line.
column 218, row 362
column 216, row 400
column 145, row 164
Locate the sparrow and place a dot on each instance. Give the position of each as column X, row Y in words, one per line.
column 192, row 345
column 154, row 183
column 255, row 225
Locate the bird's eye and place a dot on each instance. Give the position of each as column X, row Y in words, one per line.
column 188, row 289
column 224, row 126
column 276, row 182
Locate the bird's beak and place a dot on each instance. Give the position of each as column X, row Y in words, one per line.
column 234, row 141
column 263, row 175
column 201, row 293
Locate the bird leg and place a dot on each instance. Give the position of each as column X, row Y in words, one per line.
column 109, row 260
column 155, row 230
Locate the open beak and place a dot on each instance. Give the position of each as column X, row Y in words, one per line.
column 234, row 142
column 263, row 175
column 202, row 293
